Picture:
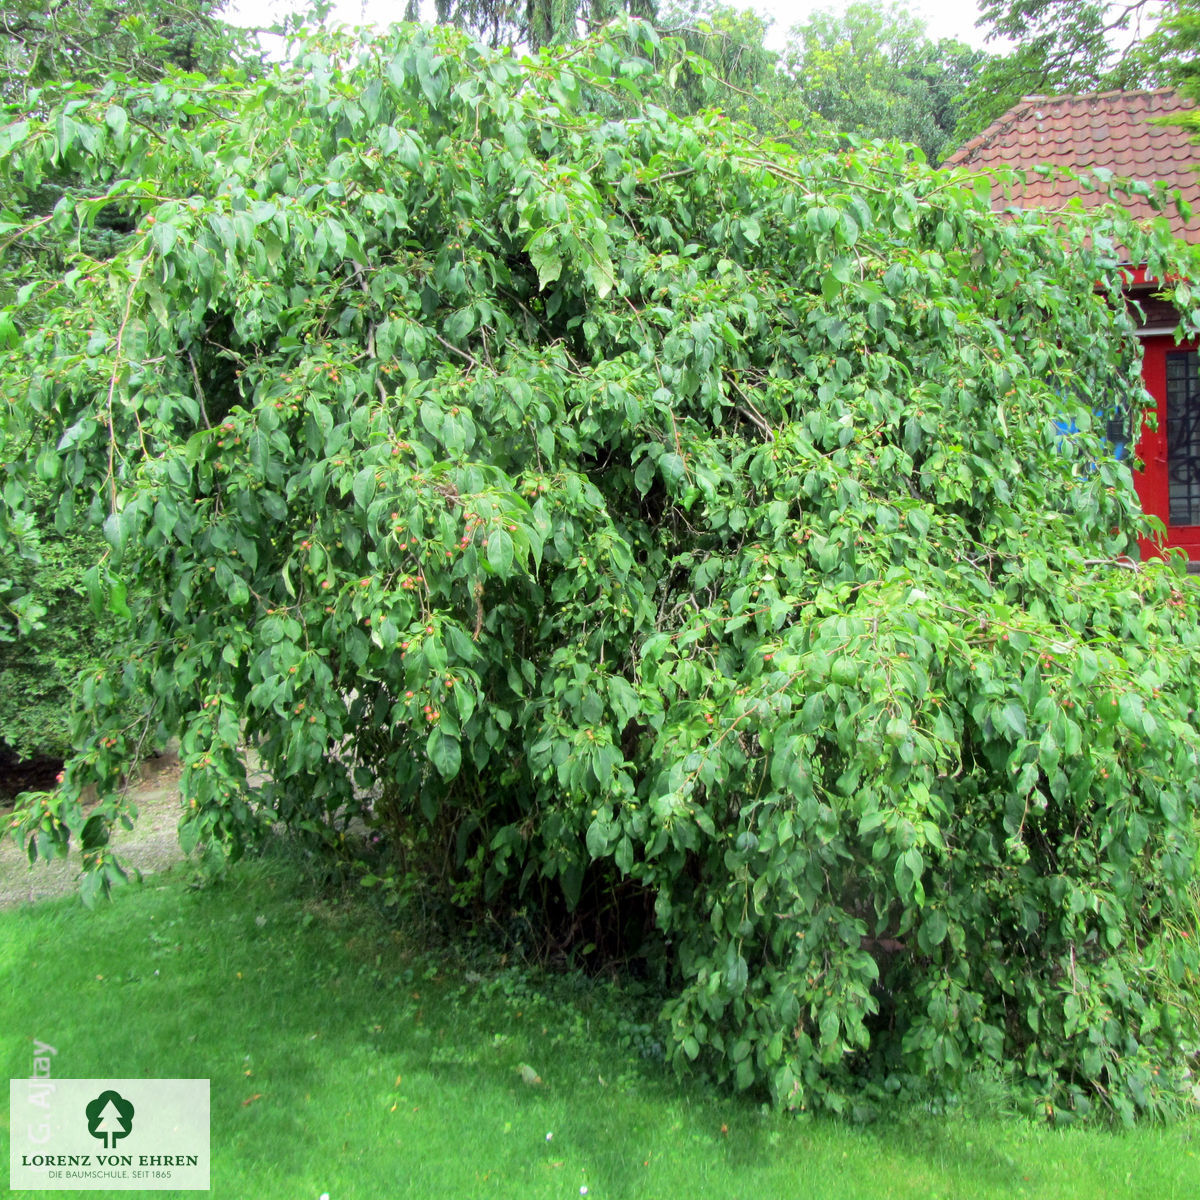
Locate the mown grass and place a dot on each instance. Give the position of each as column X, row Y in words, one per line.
column 344, row 1060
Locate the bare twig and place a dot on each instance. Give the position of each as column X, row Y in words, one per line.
column 199, row 391
column 112, row 388
column 461, row 353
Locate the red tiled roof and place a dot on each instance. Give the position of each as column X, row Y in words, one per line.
column 1109, row 129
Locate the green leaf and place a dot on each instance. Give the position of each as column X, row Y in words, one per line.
column 12, row 134
column 500, row 552
column 1010, row 719
column 364, row 487
column 1131, row 709
column 91, row 888
column 164, row 235
column 919, row 520
column 546, row 259
column 623, row 856
column 445, row 753
column 831, row 287
column 116, row 597
column 672, row 467
column 189, row 835
column 116, row 533
column 599, row 836
column 599, row 269
column 933, row 928
column 822, row 218
column 116, row 118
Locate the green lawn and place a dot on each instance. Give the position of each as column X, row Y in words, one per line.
column 342, row 1062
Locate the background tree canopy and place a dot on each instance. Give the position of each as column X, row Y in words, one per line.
column 532, row 23
column 1062, row 46
column 868, row 71
column 59, row 44
column 659, row 529
column 873, row 71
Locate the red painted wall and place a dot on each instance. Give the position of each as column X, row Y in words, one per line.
column 1152, row 482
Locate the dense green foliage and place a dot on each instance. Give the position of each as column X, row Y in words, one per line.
column 47, row 631
column 646, row 516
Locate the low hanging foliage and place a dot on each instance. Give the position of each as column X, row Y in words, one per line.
column 636, row 505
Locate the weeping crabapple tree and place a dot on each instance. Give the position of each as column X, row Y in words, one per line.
column 647, row 515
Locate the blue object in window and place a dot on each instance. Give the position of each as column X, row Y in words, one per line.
column 1116, row 431
column 1064, row 431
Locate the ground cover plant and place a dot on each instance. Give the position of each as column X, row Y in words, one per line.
column 345, row 1058
column 670, row 533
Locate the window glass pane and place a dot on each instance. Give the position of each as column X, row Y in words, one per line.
column 1183, row 437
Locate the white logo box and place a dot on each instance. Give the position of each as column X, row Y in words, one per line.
column 117, row 1134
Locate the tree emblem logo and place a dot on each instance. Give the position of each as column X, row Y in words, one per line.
column 109, row 1117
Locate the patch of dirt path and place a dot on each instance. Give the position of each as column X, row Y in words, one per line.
column 151, row 845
